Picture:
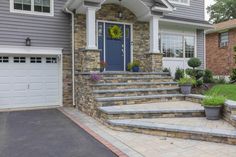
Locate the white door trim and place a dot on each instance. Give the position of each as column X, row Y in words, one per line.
column 43, row 51
column 131, row 38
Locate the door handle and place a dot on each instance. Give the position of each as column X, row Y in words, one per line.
column 28, row 86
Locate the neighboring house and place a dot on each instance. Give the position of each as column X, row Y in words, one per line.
column 156, row 32
column 220, row 42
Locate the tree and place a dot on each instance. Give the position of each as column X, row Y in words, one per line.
column 222, row 10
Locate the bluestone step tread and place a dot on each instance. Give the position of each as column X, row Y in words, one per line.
column 135, row 83
column 107, row 99
column 234, row 117
column 127, row 73
column 135, row 90
column 162, row 107
column 138, row 78
column 142, row 124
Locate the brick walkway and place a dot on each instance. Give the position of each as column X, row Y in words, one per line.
column 137, row 145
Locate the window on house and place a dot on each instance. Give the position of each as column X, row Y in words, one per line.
column 35, row 60
column 42, row 7
column 224, row 39
column 184, row 2
column 4, row 59
column 51, row 60
column 19, row 59
column 177, row 46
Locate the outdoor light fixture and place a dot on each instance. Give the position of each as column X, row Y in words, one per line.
column 28, row 42
column 120, row 12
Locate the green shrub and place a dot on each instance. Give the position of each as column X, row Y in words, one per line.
column 233, row 75
column 199, row 83
column 194, row 63
column 129, row 67
column 208, row 76
column 179, row 74
column 220, row 80
column 187, row 81
column 136, row 63
column 213, row 101
column 195, row 73
column 166, row 70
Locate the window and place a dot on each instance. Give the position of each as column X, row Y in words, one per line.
column 224, row 39
column 51, row 60
column 19, row 60
column 38, row 7
column 4, row 59
column 183, row 2
column 177, row 46
column 35, row 60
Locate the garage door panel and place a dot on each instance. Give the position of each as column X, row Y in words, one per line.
column 20, row 86
column 4, row 87
column 36, row 86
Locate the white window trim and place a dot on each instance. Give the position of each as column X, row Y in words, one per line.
column 32, row 12
column 188, row 4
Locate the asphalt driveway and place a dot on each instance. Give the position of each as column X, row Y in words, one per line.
column 46, row 133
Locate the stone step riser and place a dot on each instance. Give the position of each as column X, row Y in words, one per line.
column 138, row 86
column 139, row 101
column 176, row 134
column 120, row 94
column 105, row 116
column 134, row 75
column 120, row 80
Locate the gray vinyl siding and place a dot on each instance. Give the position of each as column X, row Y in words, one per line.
column 201, row 46
column 44, row 31
column 196, row 10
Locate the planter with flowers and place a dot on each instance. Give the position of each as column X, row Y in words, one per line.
column 95, row 77
column 186, row 84
column 103, row 65
column 134, row 66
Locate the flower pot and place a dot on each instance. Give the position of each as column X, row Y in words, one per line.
column 212, row 113
column 135, row 69
column 186, row 89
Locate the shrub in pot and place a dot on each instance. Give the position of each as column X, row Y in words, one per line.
column 179, row 74
column 134, row 66
column 213, row 106
column 186, row 85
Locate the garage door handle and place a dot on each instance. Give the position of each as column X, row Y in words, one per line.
column 28, row 86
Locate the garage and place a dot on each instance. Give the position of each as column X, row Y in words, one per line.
column 30, row 80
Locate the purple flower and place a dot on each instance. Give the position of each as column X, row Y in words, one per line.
column 96, row 77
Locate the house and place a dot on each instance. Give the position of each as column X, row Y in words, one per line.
column 220, row 42
column 44, row 43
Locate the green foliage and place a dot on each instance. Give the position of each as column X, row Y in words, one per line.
column 187, row 81
column 233, row 75
column 226, row 90
column 194, row 63
column 179, row 74
column 208, row 76
column 135, row 63
column 222, row 10
column 166, row 70
column 195, row 73
column 115, row 32
column 214, row 101
column 220, row 80
column 199, row 83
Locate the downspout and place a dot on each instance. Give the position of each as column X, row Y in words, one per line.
column 73, row 53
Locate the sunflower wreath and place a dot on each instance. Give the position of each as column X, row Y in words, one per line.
column 115, row 32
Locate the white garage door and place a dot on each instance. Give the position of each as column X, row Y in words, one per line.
column 29, row 81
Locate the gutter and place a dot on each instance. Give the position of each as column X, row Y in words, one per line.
column 73, row 52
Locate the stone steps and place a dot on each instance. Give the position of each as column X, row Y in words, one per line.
column 129, row 100
column 129, row 85
column 135, row 92
column 133, row 74
column 136, row 79
column 152, row 110
column 212, row 131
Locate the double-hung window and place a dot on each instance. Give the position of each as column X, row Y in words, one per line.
column 178, row 46
column 224, row 39
column 37, row 7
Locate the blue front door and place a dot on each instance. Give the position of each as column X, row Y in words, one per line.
column 116, row 52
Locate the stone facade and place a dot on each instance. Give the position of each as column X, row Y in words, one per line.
column 222, row 56
column 153, row 62
column 108, row 12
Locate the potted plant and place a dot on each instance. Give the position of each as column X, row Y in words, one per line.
column 135, row 66
column 186, row 84
column 213, row 106
column 103, row 65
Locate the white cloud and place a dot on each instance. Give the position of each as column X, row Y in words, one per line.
column 207, row 3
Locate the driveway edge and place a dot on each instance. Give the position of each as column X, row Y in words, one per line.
column 110, row 146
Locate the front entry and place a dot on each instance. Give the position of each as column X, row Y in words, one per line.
column 116, row 52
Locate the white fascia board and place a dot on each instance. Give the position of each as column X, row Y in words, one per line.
column 202, row 26
column 29, row 50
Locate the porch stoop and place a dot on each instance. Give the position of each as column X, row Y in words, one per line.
column 149, row 103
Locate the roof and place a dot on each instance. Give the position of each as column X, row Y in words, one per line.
column 223, row 26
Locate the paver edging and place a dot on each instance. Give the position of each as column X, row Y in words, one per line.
column 110, row 146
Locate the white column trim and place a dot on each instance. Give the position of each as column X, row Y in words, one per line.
column 91, row 28
column 154, row 34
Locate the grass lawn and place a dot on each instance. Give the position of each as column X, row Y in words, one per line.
column 229, row 91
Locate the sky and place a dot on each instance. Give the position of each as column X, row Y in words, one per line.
column 207, row 3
